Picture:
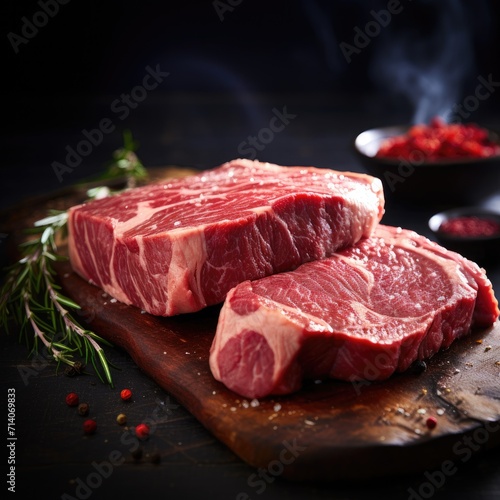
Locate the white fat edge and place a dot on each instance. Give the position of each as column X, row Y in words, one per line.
column 144, row 213
column 189, row 254
column 364, row 219
column 282, row 331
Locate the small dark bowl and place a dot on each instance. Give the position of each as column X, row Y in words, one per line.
column 480, row 249
column 465, row 181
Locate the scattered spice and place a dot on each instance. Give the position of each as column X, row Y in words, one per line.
column 142, row 431
column 83, row 409
column 487, row 348
column 89, row 426
column 126, row 394
column 72, row 399
column 470, row 226
column 121, row 419
column 440, row 141
column 431, row 423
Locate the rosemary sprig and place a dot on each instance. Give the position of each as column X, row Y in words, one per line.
column 31, row 296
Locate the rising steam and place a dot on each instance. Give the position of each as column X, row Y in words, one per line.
column 429, row 66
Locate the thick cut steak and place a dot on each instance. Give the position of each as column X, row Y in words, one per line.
column 363, row 314
column 178, row 246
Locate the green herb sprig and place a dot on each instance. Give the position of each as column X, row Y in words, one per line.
column 31, row 296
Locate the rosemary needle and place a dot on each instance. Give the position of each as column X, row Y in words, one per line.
column 31, row 296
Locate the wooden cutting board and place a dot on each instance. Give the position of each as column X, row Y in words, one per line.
column 330, row 430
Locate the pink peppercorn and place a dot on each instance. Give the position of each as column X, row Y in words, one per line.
column 89, row 426
column 431, row 422
column 142, row 431
column 126, row 394
column 72, row 399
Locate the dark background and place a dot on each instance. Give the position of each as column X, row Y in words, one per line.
column 226, row 76
column 225, row 79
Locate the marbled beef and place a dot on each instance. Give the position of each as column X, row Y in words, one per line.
column 180, row 245
column 363, row 314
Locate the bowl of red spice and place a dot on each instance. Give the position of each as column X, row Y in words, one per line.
column 471, row 231
column 437, row 163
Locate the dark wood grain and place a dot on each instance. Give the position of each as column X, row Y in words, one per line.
column 328, row 430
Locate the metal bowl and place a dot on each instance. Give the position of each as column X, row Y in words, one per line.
column 481, row 249
column 444, row 183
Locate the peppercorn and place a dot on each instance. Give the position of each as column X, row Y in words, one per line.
column 121, row 419
column 126, row 394
column 142, row 431
column 431, row 422
column 72, row 399
column 83, row 409
column 89, row 426
column 419, row 367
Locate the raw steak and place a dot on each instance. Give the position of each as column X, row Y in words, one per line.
column 362, row 314
column 178, row 246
